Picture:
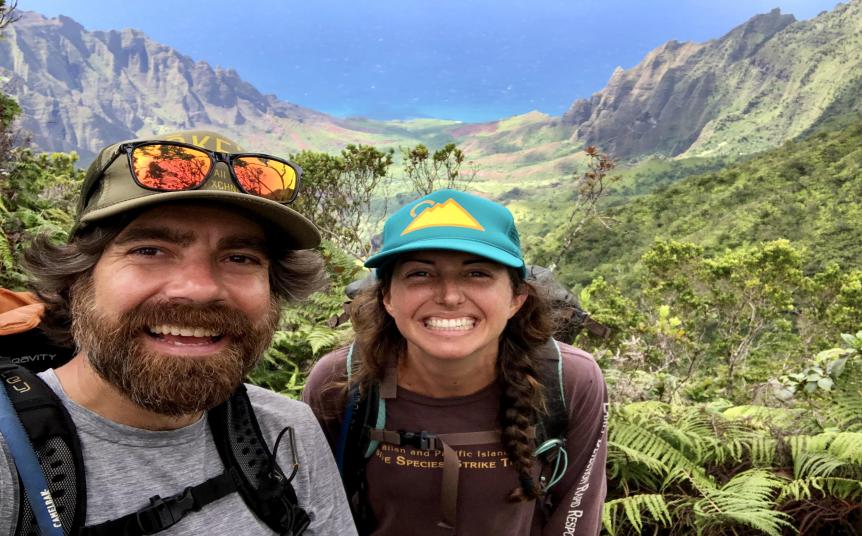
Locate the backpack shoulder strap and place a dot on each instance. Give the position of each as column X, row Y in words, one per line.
column 260, row 481
column 556, row 421
column 363, row 412
column 51, row 435
column 361, row 415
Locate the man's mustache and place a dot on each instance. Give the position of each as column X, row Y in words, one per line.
column 211, row 316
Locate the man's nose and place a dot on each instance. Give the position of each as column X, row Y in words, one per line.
column 195, row 280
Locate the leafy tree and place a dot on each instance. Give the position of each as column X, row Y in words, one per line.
column 37, row 192
column 428, row 171
column 342, row 194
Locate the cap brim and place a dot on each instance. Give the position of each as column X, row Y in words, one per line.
column 449, row 244
column 297, row 231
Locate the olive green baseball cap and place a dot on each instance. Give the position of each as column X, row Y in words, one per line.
column 111, row 191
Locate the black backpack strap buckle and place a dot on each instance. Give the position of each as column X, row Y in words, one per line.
column 165, row 512
column 420, row 440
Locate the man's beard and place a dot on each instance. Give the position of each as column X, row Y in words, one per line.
column 169, row 384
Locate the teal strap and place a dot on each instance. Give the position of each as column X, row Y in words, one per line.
column 349, row 362
column 561, row 461
column 560, row 372
column 381, row 422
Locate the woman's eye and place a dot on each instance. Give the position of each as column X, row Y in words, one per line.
column 417, row 274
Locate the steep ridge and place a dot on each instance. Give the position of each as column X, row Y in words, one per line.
column 80, row 90
column 766, row 81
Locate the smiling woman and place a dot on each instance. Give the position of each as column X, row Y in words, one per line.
column 454, row 358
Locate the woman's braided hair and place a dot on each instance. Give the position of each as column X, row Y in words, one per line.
column 522, row 395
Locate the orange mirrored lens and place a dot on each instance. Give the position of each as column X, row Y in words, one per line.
column 267, row 178
column 170, row 167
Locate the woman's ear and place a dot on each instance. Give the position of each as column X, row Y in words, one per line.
column 517, row 302
column 387, row 302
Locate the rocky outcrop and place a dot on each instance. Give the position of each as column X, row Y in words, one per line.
column 81, row 90
column 768, row 80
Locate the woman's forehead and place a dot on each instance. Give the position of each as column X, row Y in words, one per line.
column 440, row 256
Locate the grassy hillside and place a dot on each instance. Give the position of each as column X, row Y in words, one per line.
column 806, row 191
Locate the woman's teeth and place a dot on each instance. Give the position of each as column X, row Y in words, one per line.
column 450, row 323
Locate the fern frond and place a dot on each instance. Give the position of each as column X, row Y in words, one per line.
column 635, row 507
column 654, row 452
column 812, row 465
column 847, row 446
column 846, row 489
column 745, row 499
column 7, row 259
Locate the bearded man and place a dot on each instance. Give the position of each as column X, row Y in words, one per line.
column 181, row 257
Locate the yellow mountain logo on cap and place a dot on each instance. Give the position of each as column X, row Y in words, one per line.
column 448, row 214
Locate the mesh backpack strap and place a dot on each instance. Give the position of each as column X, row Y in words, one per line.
column 260, row 481
column 51, row 433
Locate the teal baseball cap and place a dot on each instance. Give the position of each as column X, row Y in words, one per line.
column 454, row 221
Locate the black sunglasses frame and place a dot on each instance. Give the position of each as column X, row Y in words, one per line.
column 215, row 157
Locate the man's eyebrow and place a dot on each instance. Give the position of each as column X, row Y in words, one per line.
column 252, row 242
column 164, row 234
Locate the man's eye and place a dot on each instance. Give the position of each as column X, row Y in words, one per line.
column 243, row 259
column 146, row 251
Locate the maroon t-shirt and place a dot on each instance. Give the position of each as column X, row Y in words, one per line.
column 404, row 483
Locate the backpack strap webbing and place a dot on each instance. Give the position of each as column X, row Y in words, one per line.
column 51, row 434
column 259, row 480
column 163, row 513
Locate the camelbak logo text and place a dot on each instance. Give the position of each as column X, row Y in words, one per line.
column 52, row 509
column 18, row 384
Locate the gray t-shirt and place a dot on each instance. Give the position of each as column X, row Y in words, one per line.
column 125, row 466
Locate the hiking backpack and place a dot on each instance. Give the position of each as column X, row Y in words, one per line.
column 41, row 437
column 363, row 428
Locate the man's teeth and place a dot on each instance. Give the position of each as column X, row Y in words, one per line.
column 450, row 323
column 183, row 331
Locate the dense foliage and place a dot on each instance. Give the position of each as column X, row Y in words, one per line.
column 804, row 191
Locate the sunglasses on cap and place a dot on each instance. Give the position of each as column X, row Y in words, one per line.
column 169, row 166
